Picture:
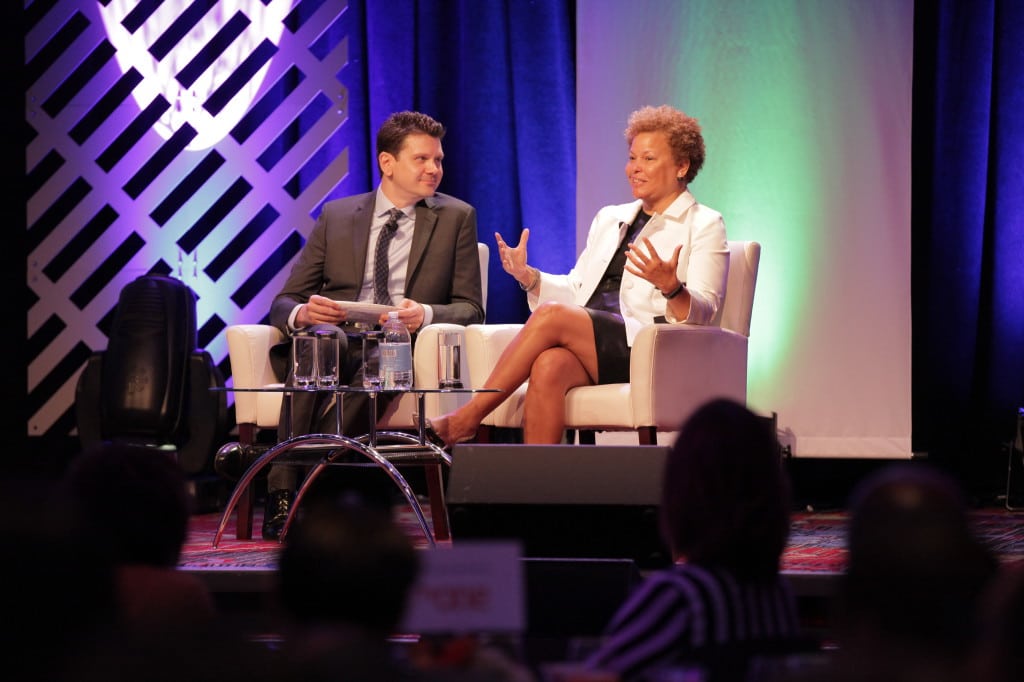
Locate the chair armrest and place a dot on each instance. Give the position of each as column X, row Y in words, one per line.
column 249, row 352
column 249, row 349
column 484, row 345
column 703, row 363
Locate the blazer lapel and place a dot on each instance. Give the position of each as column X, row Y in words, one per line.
column 362, row 218
column 426, row 222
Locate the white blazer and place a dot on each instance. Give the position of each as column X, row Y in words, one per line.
column 703, row 263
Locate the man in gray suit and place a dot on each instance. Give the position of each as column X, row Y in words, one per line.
column 433, row 276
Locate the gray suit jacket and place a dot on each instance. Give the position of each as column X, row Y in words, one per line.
column 443, row 269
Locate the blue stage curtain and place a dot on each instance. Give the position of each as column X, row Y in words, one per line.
column 500, row 75
column 968, row 232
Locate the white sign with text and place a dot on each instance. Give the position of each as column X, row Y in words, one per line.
column 470, row 587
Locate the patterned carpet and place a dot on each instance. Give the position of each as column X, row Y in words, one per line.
column 816, row 547
column 231, row 554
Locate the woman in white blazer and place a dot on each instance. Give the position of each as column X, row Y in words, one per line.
column 660, row 258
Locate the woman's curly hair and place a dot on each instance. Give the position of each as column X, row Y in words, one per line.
column 683, row 132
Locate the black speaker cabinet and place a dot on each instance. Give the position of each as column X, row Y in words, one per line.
column 565, row 501
column 576, row 597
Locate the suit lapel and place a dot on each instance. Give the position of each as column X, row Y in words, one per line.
column 426, row 222
column 362, row 218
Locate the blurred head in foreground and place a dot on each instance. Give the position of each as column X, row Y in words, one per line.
column 726, row 500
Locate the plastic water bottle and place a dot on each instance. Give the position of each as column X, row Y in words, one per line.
column 395, row 355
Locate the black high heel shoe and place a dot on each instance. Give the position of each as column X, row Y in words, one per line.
column 432, row 436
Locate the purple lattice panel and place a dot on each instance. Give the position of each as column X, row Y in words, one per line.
column 195, row 139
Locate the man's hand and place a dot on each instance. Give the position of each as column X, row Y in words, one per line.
column 319, row 310
column 410, row 313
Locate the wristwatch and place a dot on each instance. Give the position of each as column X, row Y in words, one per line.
column 675, row 292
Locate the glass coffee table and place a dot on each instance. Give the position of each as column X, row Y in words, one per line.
column 387, row 450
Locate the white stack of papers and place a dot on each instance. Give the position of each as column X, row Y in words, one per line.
column 365, row 312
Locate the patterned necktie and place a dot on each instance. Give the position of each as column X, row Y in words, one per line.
column 381, row 273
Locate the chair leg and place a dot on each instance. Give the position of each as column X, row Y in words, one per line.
column 244, row 511
column 438, row 507
column 648, row 435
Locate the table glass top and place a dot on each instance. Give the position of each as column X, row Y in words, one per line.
column 280, row 388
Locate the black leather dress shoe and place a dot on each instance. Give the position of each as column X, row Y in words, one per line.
column 232, row 460
column 279, row 504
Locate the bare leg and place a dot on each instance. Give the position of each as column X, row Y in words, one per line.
column 555, row 371
column 552, row 325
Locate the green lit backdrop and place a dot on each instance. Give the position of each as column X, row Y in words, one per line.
column 805, row 107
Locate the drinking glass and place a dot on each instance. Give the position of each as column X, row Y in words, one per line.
column 449, row 360
column 327, row 358
column 304, row 359
column 371, row 359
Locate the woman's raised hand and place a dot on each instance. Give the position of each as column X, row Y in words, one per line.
column 649, row 265
column 513, row 260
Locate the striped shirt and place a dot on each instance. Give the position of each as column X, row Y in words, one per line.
column 689, row 614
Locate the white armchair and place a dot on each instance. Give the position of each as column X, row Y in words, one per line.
column 673, row 368
column 249, row 353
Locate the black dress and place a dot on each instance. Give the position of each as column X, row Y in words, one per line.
column 606, row 318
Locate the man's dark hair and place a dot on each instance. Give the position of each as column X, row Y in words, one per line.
column 400, row 125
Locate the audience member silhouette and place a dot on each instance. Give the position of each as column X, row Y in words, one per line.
column 907, row 601
column 345, row 577
column 130, row 504
column 725, row 516
column 57, row 603
column 133, row 502
column 999, row 647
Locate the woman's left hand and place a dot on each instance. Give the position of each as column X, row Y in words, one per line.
column 650, row 266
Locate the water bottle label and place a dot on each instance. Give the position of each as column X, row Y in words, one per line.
column 396, row 365
column 395, row 357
